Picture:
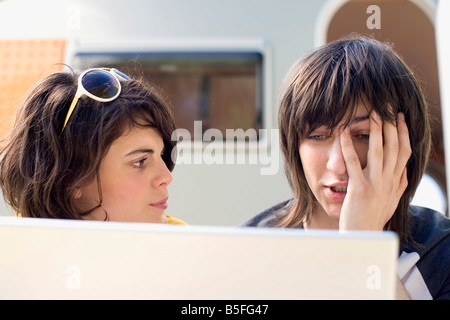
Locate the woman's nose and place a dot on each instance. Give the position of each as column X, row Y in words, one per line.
column 336, row 162
column 163, row 177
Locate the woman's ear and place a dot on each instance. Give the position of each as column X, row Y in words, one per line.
column 77, row 194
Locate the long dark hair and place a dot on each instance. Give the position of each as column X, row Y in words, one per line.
column 325, row 86
column 41, row 168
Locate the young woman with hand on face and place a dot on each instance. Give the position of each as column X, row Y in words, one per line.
column 355, row 137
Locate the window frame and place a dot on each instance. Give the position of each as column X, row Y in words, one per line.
column 194, row 45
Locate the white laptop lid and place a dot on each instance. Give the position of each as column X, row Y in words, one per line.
column 59, row 259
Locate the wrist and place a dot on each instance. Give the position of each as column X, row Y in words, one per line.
column 345, row 225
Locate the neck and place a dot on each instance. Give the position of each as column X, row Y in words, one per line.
column 321, row 220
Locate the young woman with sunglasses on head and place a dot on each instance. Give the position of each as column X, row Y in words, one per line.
column 355, row 137
column 96, row 146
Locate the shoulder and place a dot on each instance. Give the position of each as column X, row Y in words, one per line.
column 268, row 217
column 429, row 227
column 426, row 266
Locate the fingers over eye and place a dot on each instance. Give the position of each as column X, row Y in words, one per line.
column 375, row 152
column 350, row 156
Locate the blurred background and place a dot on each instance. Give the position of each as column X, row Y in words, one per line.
column 219, row 62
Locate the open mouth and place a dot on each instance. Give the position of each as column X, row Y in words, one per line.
column 339, row 189
column 337, row 193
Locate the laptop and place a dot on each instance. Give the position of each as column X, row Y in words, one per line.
column 68, row 259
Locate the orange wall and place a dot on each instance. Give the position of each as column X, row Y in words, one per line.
column 22, row 64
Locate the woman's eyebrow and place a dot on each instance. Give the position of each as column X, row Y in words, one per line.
column 360, row 118
column 138, row 151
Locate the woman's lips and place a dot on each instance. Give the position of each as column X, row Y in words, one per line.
column 336, row 192
column 160, row 204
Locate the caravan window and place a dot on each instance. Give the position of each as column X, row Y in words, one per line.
column 222, row 90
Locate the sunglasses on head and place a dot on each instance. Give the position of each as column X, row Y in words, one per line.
column 100, row 84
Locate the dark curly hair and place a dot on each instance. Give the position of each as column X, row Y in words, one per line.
column 42, row 166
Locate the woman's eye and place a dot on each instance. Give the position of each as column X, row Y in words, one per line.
column 139, row 163
column 317, row 137
column 363, row 136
